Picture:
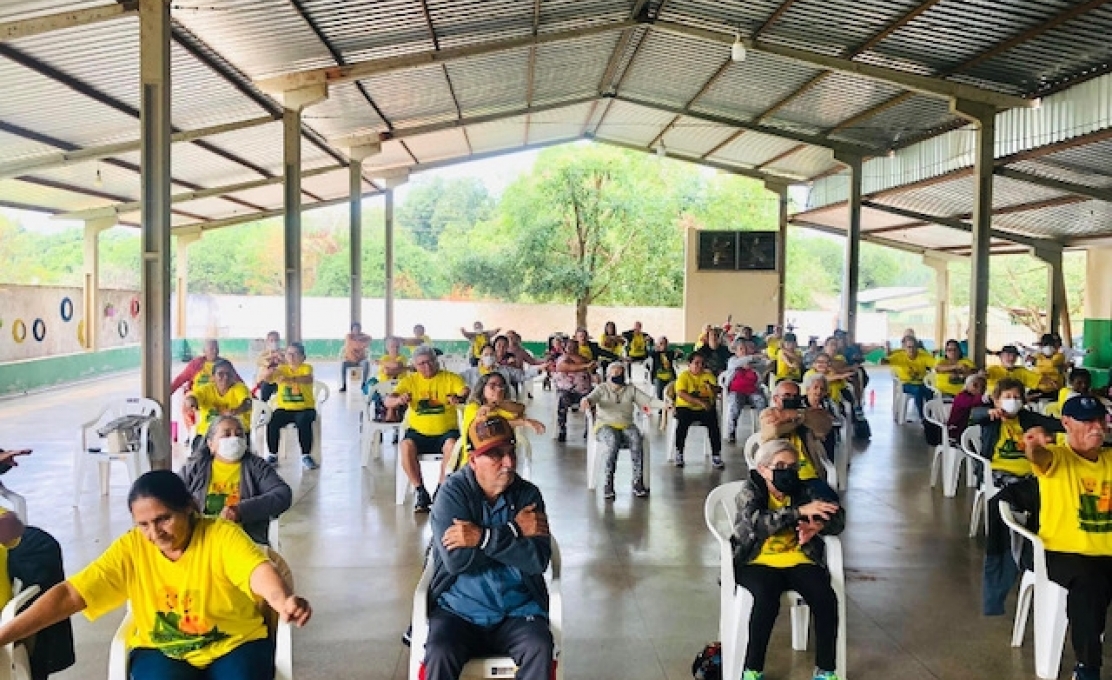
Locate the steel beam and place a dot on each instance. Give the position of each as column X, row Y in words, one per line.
column 82, row 155
column 821, row 142
column 291, row 164
column 155, row 123
column 262, row 215
column 935, row 87
column 361, row 70
column 957, row 223
column 850, row 273
column 743, row 172
column 878, row 240
column 1059, row 185
column 25, row 28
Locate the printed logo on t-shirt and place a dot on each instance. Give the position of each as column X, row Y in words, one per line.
column 430, row 405
column 1095, row 513
column 179, row 630
column 291, row 394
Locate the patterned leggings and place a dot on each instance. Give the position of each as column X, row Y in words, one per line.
column 568, row 398
column 612, row 439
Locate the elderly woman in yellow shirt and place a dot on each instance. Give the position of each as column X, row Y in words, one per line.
column 952, row 368
column 911, row 364
column 191, row 583
column 295, row 404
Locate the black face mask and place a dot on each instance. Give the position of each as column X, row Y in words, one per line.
column 786, row 481
column 618, row 379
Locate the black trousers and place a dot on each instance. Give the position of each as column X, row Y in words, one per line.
column 453, row 641
column 686, row 417
column 1089, row 582
column 302, row 420
column 767, row 584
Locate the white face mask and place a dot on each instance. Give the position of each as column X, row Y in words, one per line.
column 231, row 448
column 1011, row 406
column 487, row 360
column 1048, row 351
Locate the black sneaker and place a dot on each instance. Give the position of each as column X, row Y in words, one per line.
column 717, row 462
column 639, row 489
column 584, row 435
column 731, row 439
column 272, row 458
column 309, row 463
column 421, row 500
column 343, row 389
column 562, row 437
column 407, row 636
column 1082, row 673
column 608, row 491
column 679, row 459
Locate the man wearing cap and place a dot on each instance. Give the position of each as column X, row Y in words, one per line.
column 1075, row 522
column 491, row 547
column 1010, row 368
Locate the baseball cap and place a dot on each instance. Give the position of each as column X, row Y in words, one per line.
column 489, row 433
column 1009, row 349
column 1084, row 408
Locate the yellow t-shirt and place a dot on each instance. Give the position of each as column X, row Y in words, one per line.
column 806, row 465
column 772, row 347
column 211, row 404
column 664, row 370
column 294, row 396
column 385, row 358
column 781, row 550
column 699, row 385
column 196, row 609
column 430, row 413
column 1050, row 370
column 223, row 491
column 5, row 579
column 911, row 371
column 638, row 346
column 1008, row 455
column 469, row 413
column 1075, row 514
column 785, row 371
column 951, row 384
column 835, row 387
column 993, row 375
column 586, row 352
column 478, row 343
column 204, row 376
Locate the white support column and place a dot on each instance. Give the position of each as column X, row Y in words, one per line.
column 358, row 151
column 184, row 240
column 294, row 102
column 984, row 117
column 850, row 273
column 154, row 54
column 781, row 191
column 1057, row 306
column 392, row 181
column 90, row 299
column 941, row 267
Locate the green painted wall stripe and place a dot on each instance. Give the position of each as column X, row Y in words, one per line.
column 21, row 376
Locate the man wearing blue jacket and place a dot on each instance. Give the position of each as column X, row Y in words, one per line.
column 491, row 549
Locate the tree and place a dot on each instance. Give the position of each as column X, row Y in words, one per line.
column 1020, row 284
column 432, row 206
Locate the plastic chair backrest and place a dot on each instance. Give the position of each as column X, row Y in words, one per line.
column 723, row 497
column 934, row 412
column 320, row 392
column 931, row 380
column 751, row 445
column 1008, row 515
column 971, row 441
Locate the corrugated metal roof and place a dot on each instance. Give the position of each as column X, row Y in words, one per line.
column 836, row 98
column 370, row 29
column 955, row 196
column 749, row 15
column 909, row 119
column 458, row 23
column 671, row 69
column 1073, row 220
column 439, row 145
column 563, row 123
column 503, row 134
column 492, row 83
column 633, row 124
column 807, row 162
column 571, row 69
column 752, row 148
column 695, row 137
column 19, row 9
column 413, row 97
column 749, row 88
column 345, row 112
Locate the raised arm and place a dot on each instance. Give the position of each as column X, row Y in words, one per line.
column 1035, row 441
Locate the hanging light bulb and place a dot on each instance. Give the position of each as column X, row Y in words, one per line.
column 737, row 50
column 98, row 182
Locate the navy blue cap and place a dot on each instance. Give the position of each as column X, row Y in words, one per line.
column 1084, row 408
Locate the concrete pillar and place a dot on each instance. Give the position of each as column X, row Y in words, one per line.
column 1098, row 308
column 392, row 181
column 294, row 102
column 941, row 267
column 90, row 299
column 1056, row 303
column 984, row 117
column 358, row 152
column 184, row 240
column 850, row 273
column 781, row 191
column 155, row 124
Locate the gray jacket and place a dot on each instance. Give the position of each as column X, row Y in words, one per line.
column 614, row 406
column 262, row 491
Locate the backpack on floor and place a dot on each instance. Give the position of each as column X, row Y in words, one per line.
column 708, row 663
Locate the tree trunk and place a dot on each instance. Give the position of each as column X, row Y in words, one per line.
column 581, row 304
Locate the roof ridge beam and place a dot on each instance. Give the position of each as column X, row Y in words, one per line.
column 932, row 86
column 813, row 140
column 360, row 70
column 32, row 26
column 406, row 133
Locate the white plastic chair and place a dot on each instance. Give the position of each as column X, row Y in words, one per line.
column 1049, row 602
column 595, row 461
column 18, row 503
column 694, row 427
column 430, row 463
column 971, row 447
column 14, row 661
column 355, row 379
column 945, row 461
column 488, row 668
column 288, row 438
column 137, row 460
column 902, row 402
column 372, row 433
column 261, row 413
column 119, row 653
column 736, row 603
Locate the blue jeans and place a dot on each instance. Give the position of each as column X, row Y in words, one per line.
column 250, row 661
column 920, row 393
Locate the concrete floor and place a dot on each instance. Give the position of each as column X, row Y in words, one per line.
column 640, row 576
